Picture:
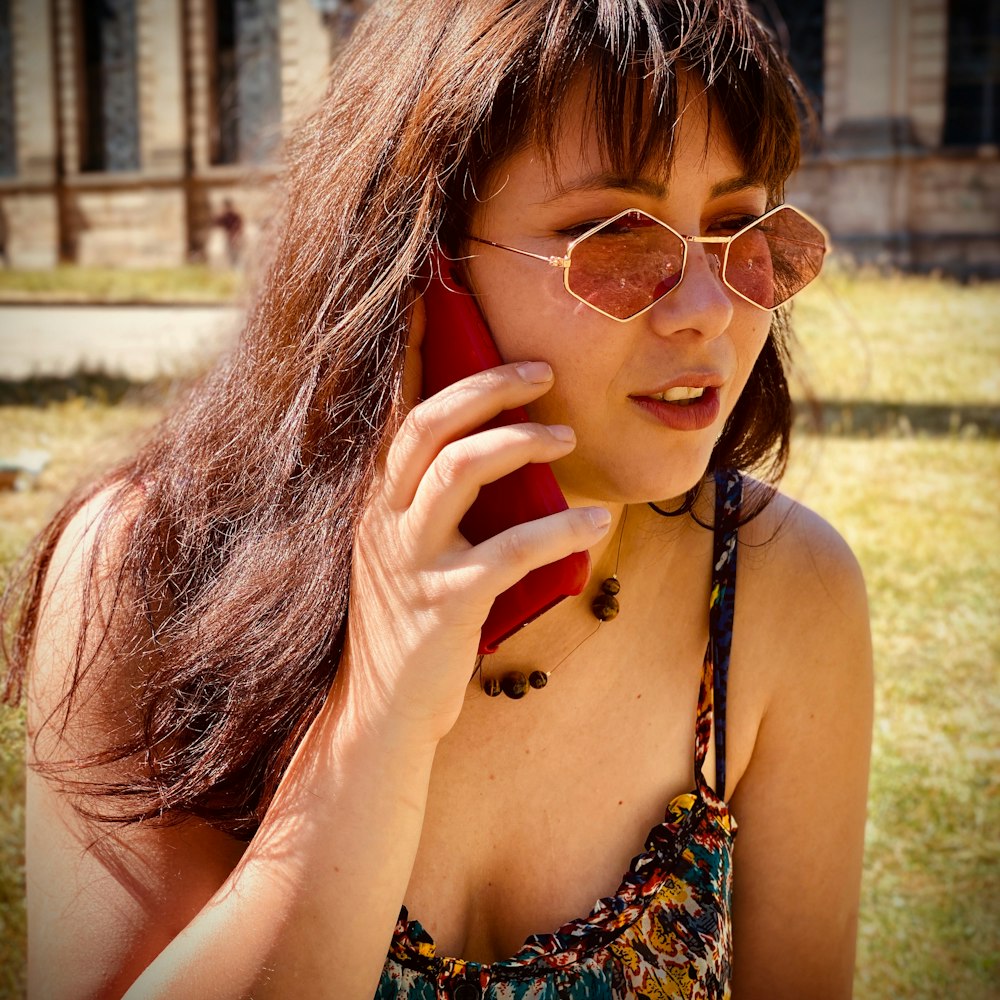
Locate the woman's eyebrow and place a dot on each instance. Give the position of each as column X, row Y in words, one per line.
column 605, row 180
column 653, row 188
column 742, row 183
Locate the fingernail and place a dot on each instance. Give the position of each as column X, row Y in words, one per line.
column 561, row 432
column 599, row 517
column 534, row 371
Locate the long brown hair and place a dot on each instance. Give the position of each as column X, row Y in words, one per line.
column 232, row 586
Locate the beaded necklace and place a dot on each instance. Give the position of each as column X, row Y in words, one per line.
column 515, row 683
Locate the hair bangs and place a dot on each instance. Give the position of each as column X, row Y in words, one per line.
column 638, row 61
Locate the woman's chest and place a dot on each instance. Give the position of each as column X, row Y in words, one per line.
column 531, row 820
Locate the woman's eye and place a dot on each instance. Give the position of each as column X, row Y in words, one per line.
column 572, row 232
column 731, row 224
column 622, row 226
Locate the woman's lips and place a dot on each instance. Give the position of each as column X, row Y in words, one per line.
column 689, row 415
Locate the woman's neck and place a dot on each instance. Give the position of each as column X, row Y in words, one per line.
column 642, row 550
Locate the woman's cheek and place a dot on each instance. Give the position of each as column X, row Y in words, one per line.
column 753, row 345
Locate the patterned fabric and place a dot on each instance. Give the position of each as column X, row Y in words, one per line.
column 666, row 932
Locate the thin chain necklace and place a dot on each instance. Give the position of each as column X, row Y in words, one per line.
column 515, row 684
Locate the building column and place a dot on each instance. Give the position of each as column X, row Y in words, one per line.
column 305, row 60
column 67, row 97
column 28, row 201
column 874, row 76
column 870, row 136
column 34, row 91
column 161, row 88
column 198, row 39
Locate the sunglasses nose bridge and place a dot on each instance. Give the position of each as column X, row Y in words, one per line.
column 711, row 251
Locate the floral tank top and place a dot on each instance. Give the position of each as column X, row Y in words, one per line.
column 666, row 933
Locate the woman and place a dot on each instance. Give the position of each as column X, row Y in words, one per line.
column 261, row 733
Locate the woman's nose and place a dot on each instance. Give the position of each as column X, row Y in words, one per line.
column 700, row 301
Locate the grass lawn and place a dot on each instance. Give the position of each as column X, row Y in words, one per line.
column 922, row 514
column 862, row 336
column 71, row 283
column 899, row 339
column 923, row 517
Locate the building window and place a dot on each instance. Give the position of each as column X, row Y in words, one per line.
column 972, row 102
column 247, row 81
column 8, row 142
column 799, row 27
column 110, row 105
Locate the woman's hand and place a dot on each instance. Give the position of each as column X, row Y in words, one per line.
column 419, row 591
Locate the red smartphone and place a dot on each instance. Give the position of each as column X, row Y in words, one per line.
column 457, row 343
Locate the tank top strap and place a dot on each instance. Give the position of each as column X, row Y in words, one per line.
column 722, row 603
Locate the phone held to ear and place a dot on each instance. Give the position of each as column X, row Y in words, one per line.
column 457, row 343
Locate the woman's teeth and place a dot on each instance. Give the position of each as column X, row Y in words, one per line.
column 680, row 394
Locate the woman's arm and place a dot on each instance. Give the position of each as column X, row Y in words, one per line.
column 800, row 804
column 310, row 907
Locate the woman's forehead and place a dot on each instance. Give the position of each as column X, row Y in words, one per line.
column 574, row 159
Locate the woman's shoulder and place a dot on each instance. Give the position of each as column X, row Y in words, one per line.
column 796, row 553
column 802, row 604
column 118, row 893
column 800, row 707
column 86, row 545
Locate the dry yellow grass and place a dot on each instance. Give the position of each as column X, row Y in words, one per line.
column 71, row 283
column 900, row 339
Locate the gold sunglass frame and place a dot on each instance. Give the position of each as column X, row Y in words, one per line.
column 565, row 260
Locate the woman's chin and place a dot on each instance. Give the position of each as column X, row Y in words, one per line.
column 633, row 486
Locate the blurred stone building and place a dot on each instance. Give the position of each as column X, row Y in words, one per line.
column 126, row 125
column 129, row 127
column 906, row 169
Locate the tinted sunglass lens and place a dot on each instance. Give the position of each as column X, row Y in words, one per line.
column 776, row 258
column 626, row 265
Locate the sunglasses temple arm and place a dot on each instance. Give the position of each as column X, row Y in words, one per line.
column 554, row 261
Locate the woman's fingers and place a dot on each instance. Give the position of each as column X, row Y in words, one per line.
column 500, row 561
column 452, row 413
column 452, row 482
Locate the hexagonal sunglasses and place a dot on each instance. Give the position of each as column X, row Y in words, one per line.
column 624, row 265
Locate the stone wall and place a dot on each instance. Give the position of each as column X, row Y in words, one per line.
column 955, row 213
column 161, row 214
column 883, row 182
column 923, row 211
column 138, row 226
column 31, row 226
column 256, row 199
column 29, row 212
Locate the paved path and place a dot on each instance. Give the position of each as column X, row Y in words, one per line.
column 138, row 342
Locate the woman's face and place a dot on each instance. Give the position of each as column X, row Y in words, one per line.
column 631, row 446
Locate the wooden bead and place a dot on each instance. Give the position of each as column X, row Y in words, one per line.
column 514, row 685
column 491, row 685
column 604, row 607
